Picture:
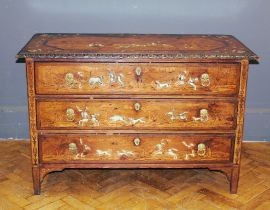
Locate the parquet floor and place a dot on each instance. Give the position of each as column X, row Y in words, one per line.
column 134, row 189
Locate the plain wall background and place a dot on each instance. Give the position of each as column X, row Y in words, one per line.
column 248, row 20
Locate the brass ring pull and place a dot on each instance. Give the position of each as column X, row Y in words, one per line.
column 201, row 151
column 72, row 147
column 205, row 80
column 69, row 80
column 70, row 114
column 137, row 141
column 137, row 106
column 203, row 116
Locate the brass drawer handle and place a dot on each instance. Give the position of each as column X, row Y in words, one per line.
column 205, row 80
column 137, row 141
column 72, row 147
column 203, row 116
column 70, row 114
column 137, row 106
column 69, row 80
column 201, row 150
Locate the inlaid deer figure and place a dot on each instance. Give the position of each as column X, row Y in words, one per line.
column 96, row 80
column 161, row 85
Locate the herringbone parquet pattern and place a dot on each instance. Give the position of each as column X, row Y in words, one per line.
column 134, row 189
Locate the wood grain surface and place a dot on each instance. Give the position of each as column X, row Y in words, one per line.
column 155, row 79
column 136, row 46
column 135, row 147
column 118, row 114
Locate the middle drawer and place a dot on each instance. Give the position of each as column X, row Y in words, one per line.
column 174, row 114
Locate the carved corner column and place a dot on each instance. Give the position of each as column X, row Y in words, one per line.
column 240, row 126
column 232, row 172
column 32, row 124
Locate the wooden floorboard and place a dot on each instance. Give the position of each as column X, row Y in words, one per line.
column 151, row 189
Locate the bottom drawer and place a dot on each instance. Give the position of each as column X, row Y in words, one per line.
column 134, row 147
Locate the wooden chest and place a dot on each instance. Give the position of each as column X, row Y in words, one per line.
column 136, row 101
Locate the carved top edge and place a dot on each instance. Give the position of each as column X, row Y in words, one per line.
column 135, row 46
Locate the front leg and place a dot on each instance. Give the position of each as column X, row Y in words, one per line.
column 36, row 179
column 232, row 173
column 234, row 178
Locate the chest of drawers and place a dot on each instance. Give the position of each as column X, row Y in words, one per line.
column 136, row 101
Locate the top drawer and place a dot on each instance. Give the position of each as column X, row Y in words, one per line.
column 137, row 78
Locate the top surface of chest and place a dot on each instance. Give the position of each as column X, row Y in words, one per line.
column 135, row 46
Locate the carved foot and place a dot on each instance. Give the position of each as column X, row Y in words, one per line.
column 38, row 174
column 234, row 179
column 36, row 179
column 232, row 174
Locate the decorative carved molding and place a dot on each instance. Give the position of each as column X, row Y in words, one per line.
column 133, row 56
column 241, row 112
column 41, row 46
column 32, row 108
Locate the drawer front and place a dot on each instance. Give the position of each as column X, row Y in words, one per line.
column 137, row 78
column 135, row 147
column 136, row 114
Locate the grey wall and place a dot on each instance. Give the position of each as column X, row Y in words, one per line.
column 248, row 20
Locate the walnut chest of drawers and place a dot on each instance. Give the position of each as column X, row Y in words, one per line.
column 136, row 101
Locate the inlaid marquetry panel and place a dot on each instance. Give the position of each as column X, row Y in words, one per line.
column 138, row 78
column 136, row 114
column 135, row 147
column 136, row 47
